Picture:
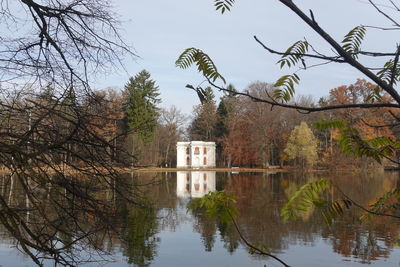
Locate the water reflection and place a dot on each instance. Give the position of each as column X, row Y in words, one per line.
column 194, row 184
column 160, row 231
column 139, row 240
column 67, row 220
column 261, row 196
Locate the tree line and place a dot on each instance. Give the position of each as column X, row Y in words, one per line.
column 128, row 127
column 135, row 131
column 250, row 133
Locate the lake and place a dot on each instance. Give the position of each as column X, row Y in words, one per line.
column 170, row 235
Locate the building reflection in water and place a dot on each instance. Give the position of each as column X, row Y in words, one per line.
column 194, row 184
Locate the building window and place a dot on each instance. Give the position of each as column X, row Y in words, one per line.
column 205, row 176
column 204, row 161
column 187, row 161
column 187, row 177
column 187, row 151
column 196, row 150
column 204, row 150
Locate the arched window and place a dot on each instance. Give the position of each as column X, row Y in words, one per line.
column 204, row 150
column 204, row 161
column 196, row 150
column 187, row 161
column 187, row 151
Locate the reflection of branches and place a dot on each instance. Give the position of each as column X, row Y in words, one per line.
column 363, row 208
column 59, row 227
column 254, row 248
column 219, row 205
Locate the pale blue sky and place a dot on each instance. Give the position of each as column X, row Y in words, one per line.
column 159, row 30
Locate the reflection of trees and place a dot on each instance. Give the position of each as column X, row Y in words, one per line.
column 162, row 190
column 259, row 202
column 58, row 221
column 261, row 198
column 95, row 217
column 229, row 236
column 206, row 227
column 139, row 232
column 372, row 239
column 101, row 219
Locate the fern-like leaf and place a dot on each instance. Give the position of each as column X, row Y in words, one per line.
column 203, row 62
column 376, row 148
column 223, row 5
column 352, row 40
column 304, row 198
column 374, row 96
column 351, row 143
column 216, row 204
column 381, row 205
column 387, row 71
column 294, row 54
column 326, row 124
column 332, row 211
column 308, row 196
column 285, row 86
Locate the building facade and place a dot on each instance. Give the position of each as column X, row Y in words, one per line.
column 195, row 154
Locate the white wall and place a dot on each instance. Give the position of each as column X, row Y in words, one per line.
column 196, row 160
column 195, row 184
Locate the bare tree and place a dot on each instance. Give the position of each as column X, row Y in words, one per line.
column 171, row 121
column 49, row 139
column 58, row 42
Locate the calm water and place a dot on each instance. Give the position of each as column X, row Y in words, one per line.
column 169, row 235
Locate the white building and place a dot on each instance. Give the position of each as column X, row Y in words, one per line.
column 195, row 154
column 194, row 184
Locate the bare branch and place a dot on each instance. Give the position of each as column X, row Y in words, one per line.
column 345, row 56
column 383, row 13
column 304, row 109
column 334, row 59
column 394, row 68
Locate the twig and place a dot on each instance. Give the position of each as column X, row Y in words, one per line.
column 261, row 252
column 362, row 207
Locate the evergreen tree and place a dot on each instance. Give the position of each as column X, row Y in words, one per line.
column 204, row 119
column 224, row 110
column 209, row 96
column 141, row 111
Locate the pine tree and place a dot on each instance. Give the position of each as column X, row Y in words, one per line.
column 224, row 110
column 204, row 117
column 141, row 111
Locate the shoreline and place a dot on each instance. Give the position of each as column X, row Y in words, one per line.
column 142, row 169
column 156, row 169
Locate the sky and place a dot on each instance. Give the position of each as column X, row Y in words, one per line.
column 160, row 30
